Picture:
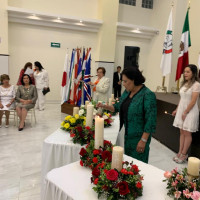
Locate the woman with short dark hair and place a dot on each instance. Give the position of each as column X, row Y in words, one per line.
column 23, row 71
column 26, row 97
column 100, row 85
column 42, row 83
column 138, row 112
column 187, row 111
column 7, row 98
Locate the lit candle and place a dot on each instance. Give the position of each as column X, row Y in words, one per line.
column 117, row 158
column 99, row 132
column 110, row 101
column 112, row 96
column 75, row 110
column 86, row 103
column 193, row 166
column 89, row 115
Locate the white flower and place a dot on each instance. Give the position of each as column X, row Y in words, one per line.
column 81, row 112
column 82, row 106
column 105, row 117
column 94, row 112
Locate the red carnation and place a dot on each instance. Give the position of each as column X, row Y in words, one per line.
column 139, row 185
column 81, row 163
column 83, row 152
column 95, row 160
column 72, row 135
column 96, row 172
column 96, row 181
column 87, row 127
column 135, row 169
column 123, row 188
column 112, row 175
column 107, row 156
column 96, row 152
column 79, row 128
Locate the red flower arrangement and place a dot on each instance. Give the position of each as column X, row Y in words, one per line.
column 114, row 185
column 82, row 135
column 93, row 158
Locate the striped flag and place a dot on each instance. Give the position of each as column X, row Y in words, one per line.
column 166, row 62
column 183, row 59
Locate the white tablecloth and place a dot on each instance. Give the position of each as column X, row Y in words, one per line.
column 72, row 182
column 59, row 150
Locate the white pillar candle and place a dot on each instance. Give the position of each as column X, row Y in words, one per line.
column 117, row 158
column 112, row 96
column 99, row 132
column 75, row 110
column 110, row 101
column 89, row 115
column 86, row 103
column 193, row 166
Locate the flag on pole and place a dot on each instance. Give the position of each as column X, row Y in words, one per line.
column 87, row 90
column 65, row 79
column 166, row 61
column 183, row 59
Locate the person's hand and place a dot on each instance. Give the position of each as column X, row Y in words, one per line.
column 8, row 105
column 174, row 113
column 119, row 83
column 22, row 101
column 1, row 106
column 140, row 146
column 100, row 105
column 184, row 116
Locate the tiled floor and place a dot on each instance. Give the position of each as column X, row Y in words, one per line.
column 20, row 155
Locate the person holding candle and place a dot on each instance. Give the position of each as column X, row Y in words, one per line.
column 138, row 112
column 187, row 111
column 100, row 86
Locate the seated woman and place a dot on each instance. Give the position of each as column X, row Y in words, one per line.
column 26, row 97
column 101, row 86
column 7, row 98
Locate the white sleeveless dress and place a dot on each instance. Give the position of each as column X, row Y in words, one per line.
column 191, row 122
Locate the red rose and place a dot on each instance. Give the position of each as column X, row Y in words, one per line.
column 96, row 152
column 105, row 171
column 139, row 185
column 95, row 160
column 106, row 142
column 87, row 128
column 123, row 188
column 112, row 175
column 105, row 187
column 81, row 163
column 101, row 165
column 96, row 181
column 124, row 171
column 83, row 152
column 135, row 169
column 72, row 135
column 79, row 128
column 107, row 156
column 131, row 173
column 96, row 172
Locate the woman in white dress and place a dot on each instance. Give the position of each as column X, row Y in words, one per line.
column 187, row 111
column 41, row 83
column 7, row 98
column 100, row 86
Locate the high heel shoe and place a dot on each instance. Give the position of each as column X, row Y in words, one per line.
column 21, row 129
column 182, row 159
column 176, row 157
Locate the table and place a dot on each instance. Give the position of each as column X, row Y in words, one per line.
column 72, row 182
column 59, row 150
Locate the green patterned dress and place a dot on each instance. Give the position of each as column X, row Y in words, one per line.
column 141, row 117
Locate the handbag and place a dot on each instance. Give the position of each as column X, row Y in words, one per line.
column 45, row 91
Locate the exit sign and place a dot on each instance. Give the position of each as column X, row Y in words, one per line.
column 55, row 45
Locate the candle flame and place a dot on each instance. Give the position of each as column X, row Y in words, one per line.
column 165, row 112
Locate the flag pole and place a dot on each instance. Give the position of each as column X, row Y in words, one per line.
column 163, row 82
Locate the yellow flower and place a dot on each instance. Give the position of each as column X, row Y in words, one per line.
column 84, row 123
column 68, row 117
column 77, row 116
column 67, row 125
column 81, row 117
column 63, row 123
column 72, row 120
column 84, row 118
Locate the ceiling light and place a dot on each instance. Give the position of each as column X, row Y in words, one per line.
column 81, row 21
column 58, row 18
column 33, row 17
column 136, row 31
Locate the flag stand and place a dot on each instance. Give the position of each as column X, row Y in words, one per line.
column 163, row 88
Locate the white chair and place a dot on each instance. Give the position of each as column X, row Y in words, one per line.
column 31, row 114
column 12, row 116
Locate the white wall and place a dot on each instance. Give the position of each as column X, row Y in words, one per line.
column 29, row 43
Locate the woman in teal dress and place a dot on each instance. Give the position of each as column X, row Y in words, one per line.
column 138, row 112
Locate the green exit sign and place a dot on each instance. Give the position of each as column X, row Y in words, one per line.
column 55, row 45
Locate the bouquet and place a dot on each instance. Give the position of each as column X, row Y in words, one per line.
column 179, row 187
column 107, row 119
column 113, row 184
column 71, row 122
column 95, row 158
column 82, row 135
column 114, row 102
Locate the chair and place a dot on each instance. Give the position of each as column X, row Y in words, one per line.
column 12, row 113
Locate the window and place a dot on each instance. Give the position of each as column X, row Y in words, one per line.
column 128, row 2
column 147, row 4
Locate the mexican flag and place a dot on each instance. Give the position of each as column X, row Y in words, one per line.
column 183, row 59
column 166, row 62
